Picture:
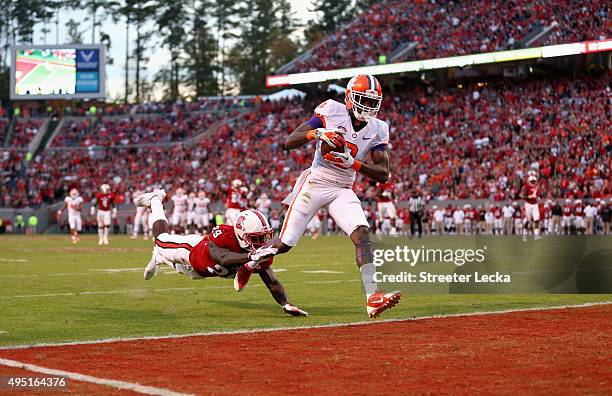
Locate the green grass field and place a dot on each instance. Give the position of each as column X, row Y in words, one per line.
column 53, row 291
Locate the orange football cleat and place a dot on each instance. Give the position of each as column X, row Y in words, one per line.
column 380, row 301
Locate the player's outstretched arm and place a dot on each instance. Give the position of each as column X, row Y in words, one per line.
column 379, row 169
column 277, row 290
column 64, row 206
column 226, row 257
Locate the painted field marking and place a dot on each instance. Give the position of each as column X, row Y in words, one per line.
column 115, row 270
column 13, row 260
column 132, row 386
column 229, row 286
column 98, row 292
column 323, row 272
column 2, row 332
column 322, row 326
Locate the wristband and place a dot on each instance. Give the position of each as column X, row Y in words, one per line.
column 356, row 165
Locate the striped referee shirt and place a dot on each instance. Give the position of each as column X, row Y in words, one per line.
column 415, row 205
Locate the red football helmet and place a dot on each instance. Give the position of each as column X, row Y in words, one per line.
column 363, row 96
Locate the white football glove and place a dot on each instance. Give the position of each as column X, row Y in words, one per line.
column 292, row 310
column 343, row 160
column 263, row 253
column 324, row 134
column 92, row 211
column 252, row 265
column 114, row 213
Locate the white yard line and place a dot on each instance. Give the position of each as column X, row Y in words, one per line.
column 323, row 272
column 132, row 386
column 322, row 326
column 13, row 260
column 228, row 286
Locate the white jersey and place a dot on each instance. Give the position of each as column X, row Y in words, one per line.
column 375, row 135
column 73, row 205
column 508, row 211
column 180, row 203
column 201, row 205
column 139, row 209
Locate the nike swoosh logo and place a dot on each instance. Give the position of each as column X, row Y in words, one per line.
column 365, row 138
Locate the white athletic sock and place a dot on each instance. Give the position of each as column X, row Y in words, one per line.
column 536, row 231
column 157, row 210
column 100, row 233
column 106, row 229
column 367, row 279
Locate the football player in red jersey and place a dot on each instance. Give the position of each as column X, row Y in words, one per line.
column 566, row 220
column 235, row 201
column 578, row 211
column 105, row 201
column 530, row 193
column 384, row 205
column 230, row 251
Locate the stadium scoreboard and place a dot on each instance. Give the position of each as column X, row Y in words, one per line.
column 67, row 71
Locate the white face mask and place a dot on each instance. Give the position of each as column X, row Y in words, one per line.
column 362, row 111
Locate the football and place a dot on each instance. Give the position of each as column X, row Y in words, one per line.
column 326, row 148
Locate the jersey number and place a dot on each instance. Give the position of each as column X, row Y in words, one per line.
column 353, row 149
column 216, row 232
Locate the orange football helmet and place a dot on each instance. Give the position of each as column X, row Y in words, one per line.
column 363, row 96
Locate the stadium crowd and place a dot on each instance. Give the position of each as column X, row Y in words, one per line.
column 137, row 129
column 468, row 142
column 456, row 28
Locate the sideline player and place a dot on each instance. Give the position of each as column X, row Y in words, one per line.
column 141, row 219
column 74, row 203
column 530, row 194
column 330, row 179
column 179, row 211
column 201, row 213
column 228, row 249
column 105, row 202
column 384, row 204
column 235, row 201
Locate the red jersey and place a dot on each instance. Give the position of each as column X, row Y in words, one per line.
column 578, row 210
column 105, row 201
column 234, row 199
column 530, row 193
column 497, row 212
column 385, row 192
column 567, row 210
column 222, row 236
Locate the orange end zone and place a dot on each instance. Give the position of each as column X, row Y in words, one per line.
column 543, row 352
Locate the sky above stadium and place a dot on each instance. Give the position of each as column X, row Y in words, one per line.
column 115, row 73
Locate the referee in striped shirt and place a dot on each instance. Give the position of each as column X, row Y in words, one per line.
column 415, row 206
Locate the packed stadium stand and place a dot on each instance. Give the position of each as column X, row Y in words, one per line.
column 467, row 142
column 406, row 30
column 25, row 130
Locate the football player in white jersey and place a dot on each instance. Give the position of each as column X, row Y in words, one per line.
column 190, row 212
column 202, row 213
column 330, row 178
column 141, row 219
column 179, row 211
column 74, row 203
